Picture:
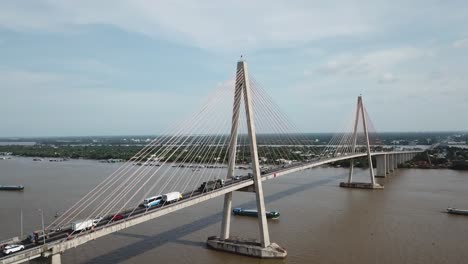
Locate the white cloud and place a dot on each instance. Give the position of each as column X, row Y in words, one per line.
column 47, row 103
column 233, row 25
column 17, row 78
column 226, row 25
column 388, row 77
column 462, row 43
column 346, row 34
column 374, row 62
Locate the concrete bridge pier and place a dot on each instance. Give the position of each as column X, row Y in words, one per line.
column 391, row 163
column 381, row 166
column 387, row 164
column 53, row 259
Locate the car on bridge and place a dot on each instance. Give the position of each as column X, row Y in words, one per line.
column 117, row 217
column 12, row 249
column 236, row 178
column 152, row 201
column 97, row 220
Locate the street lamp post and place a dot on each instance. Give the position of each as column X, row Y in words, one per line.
column 21, row 220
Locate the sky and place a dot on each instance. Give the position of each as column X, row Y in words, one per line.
column 76, row 68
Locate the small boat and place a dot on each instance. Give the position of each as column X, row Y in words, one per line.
column 254, row 213
column 11, row 187
column 451, row 210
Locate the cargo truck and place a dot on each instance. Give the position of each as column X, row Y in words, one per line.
column 211, row 185
column 82, row 225
column 171, row 197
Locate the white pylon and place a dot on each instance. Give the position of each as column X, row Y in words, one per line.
column 242, row 86
column 360, row 112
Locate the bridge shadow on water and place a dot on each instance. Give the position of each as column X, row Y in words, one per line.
column 148, row 243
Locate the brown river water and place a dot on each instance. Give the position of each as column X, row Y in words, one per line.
column 319, row 223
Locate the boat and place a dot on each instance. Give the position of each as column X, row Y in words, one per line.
column 451, row 210
column 11, row 187
column 254, row 213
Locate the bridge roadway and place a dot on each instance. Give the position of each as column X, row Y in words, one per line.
column 58, row 242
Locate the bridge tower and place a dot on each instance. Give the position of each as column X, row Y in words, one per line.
column 350, row 184
column 263, row 249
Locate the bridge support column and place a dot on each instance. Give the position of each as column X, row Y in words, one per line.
column 264, row 249
column 387, row 163
column 350, row 183
column 381, row 166
column 391, row 163
column 56, row 259
column 53, row 259
column 226, row 222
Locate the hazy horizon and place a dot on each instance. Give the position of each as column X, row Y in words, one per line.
column 153, row 135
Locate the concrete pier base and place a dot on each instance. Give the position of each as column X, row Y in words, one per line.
column 250, row 248
column 54, row 259
column 361, row 185
column 381, row 166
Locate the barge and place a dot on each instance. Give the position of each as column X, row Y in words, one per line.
column 254, row 213
column 11, row 187
column 451, row 210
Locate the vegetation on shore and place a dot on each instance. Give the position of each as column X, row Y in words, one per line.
column 74, row 152
column 196, row 154
column 442, row 157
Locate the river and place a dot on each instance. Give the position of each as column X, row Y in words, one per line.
column 319, row 223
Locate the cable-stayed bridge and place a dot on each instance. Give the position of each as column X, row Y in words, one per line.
column 239, row 139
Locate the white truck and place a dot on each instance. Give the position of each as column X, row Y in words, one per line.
column 82, row 225
column 171, row 197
